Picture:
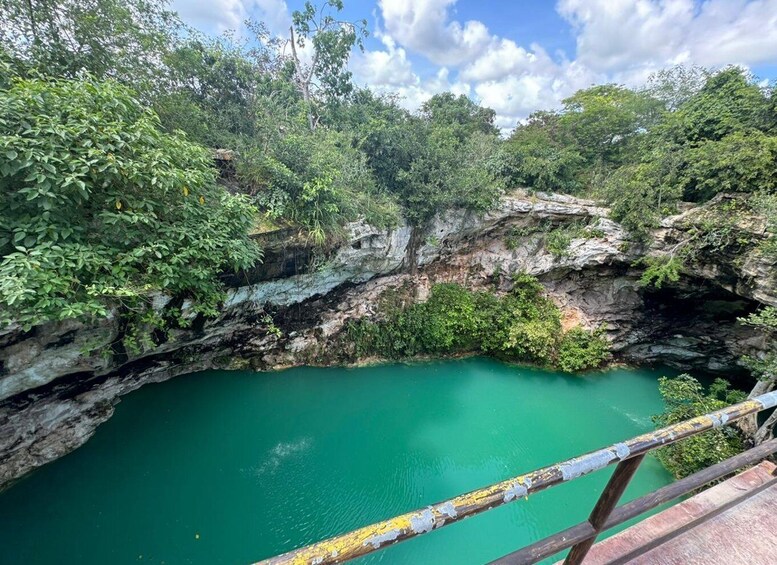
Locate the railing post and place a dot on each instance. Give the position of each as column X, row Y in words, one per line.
column 605, row 505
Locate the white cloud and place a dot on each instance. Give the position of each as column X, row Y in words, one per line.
column 504, row 57
column 222, row 15
column 423, row 26
column 618, row 36
column 385, row 68
column 617, row 40
column 621, row 41
column 730, row 31
column 499, row 73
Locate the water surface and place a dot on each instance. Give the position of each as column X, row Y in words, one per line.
column 232, row 467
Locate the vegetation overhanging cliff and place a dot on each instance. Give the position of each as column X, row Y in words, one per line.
column 648, row 216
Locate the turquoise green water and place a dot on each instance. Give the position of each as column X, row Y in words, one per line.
column 232, row 467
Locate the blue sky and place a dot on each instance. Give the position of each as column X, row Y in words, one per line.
column 523, row 55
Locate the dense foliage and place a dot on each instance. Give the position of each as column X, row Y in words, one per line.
column 686, row 398
column 523, row 325
column 688, row 136
column 99, row 206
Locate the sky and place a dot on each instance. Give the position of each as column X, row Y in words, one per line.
column 519, row 56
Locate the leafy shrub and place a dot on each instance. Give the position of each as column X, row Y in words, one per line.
column 580, row 349
column 537, row 156
column 742, row 161
column 557, row 242
column 100, row 206
column 660, row 270
column 685, row 398
column 558, row 239
column 766, row 205
column 523, row 325
column 317, row 180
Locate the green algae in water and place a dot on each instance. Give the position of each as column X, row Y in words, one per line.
column 233, row 467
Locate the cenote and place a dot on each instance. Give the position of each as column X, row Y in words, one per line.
column 233, row 467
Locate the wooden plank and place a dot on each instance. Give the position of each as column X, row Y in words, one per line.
column 690, row 483
column 732, row 522
column 548, row 546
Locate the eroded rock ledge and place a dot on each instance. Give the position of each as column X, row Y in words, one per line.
column 56, row 385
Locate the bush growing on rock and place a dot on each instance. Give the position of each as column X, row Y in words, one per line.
column 523, row 325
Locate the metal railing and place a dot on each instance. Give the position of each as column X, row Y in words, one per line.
column 628, row 455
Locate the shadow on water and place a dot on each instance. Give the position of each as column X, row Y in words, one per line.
column 231, row 467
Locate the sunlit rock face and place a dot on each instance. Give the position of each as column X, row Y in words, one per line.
column 58, row 382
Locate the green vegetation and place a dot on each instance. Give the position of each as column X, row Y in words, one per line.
column 660, row 270
column 523, row 325
column 558, row 239
column 100, row 206
column 109, row 194
column 764, row 367
column 580, row 349
column 690, row 135
column 312, row 150
column 686, row 398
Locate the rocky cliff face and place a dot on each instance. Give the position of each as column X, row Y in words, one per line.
column 57, row 384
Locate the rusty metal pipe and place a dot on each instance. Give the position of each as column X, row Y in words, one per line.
column 400, row 528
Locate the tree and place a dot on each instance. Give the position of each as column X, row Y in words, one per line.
column 326, row 74
column 99, row 207
column 460, row 113
column 729, row 101
column 447, row 173
column 388, row 135
column 603, row 120
column 765, row 370
column 676, row 85
column 537, row 156
column 213, row 88
column 742, row 161
column 122, row 39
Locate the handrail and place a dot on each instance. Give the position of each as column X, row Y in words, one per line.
column 400, row 528
column 584, row 531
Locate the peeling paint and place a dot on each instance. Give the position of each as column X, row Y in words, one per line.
column 517, row 490
column 424, row 522
column 448, row 509
column 317, row 561
column 622, row 450
column 716, row 420
column 587, row 463
column 768, row 400
column 379, row 539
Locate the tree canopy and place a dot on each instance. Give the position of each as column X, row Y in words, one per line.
column 99, row 206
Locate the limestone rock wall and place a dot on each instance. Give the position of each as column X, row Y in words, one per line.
column 57, row 385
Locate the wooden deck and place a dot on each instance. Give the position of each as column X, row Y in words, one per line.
column 732, row 523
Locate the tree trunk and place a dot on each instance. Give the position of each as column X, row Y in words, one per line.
column 766, row 432
column 302, row 82
column 749, row 425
